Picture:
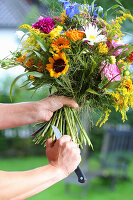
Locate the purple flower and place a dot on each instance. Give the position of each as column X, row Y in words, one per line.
column 45, row 25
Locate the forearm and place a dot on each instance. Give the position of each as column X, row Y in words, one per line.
column 22, row 185
column 15, row 115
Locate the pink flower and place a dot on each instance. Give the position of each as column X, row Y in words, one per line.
column 115, row 44
column 40, row 18
column 111, row 71
column 45, row 25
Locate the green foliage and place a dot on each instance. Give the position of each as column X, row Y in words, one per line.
column 41, row 42
column 96, row 190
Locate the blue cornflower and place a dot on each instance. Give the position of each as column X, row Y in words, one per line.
column 72, row 9
column 95, row 14
column 65, row 3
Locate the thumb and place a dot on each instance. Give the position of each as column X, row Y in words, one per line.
column 49, row 142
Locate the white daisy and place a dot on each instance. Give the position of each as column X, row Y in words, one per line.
column 93, row 34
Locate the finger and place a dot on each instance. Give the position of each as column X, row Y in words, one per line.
column 71, row 145
column 63, row 139
column 68, row 102
column 49, row 142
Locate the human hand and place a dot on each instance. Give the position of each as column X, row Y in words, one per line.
column 49, row 105
column 63, row 154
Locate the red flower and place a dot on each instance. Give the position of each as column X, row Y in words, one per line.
column 130, row 58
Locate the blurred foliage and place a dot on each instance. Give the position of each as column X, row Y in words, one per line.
column 14, row 145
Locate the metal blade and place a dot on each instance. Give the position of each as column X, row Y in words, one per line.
column 57, row 132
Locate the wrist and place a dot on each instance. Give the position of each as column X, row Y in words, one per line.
column 40, row 111
column 58, row 171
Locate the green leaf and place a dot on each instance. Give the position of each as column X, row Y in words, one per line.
column 113, row 85
column 60, row 24
column 100, row 11
column 119, row 2
column 94, row 64
column 35, row 74
column 91, row 91
column 39, row 55
column 105, row 15
column 111, row 8
column 124, row 52
column 92, row 7
column 24, row 35
column 41, row 42
column 28, row 57
column 127, row 52
column 120, row 66
column 103, row 82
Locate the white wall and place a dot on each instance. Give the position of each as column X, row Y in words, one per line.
column 8, row 42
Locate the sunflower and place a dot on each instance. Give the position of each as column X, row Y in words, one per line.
column 58, row 65
column 60, row 43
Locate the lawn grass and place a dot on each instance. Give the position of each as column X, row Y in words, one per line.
column 123, row 190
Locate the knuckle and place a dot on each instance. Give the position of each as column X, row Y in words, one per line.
column 60, row 142
column 49, row 115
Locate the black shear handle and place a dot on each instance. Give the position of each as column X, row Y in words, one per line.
column 81, row 177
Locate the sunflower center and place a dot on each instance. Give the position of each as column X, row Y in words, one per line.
column 59, row 65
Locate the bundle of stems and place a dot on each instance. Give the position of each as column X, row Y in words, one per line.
column 67, row 120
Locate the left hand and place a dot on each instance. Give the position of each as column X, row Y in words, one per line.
column 49, row 105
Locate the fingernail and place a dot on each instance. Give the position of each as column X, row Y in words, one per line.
column 76, row 105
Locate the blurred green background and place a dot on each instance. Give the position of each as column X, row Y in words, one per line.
column 17, row 151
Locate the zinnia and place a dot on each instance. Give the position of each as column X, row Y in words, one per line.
column 45, row 25
column 111, row 71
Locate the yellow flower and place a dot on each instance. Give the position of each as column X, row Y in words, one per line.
column 60, row 43
column 114, row 28
column 58, row 65
column 63, row 17
column 31, row 41
column 106, row 116
column 103, row 48
column 123, row 97
column 112, row 60
column 55, row 32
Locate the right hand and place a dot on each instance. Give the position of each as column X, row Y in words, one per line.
column 63, row 154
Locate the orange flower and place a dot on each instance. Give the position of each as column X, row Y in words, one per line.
column 32, row 77
column 21, row 59
column 29, row 63
column 75, row 35
column 127, row 83
column 63, row 17
column 60, row 43
column 40, row 66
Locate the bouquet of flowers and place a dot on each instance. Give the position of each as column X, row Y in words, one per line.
column 80, row 55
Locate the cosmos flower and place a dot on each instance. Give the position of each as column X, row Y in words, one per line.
column 93, row 34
